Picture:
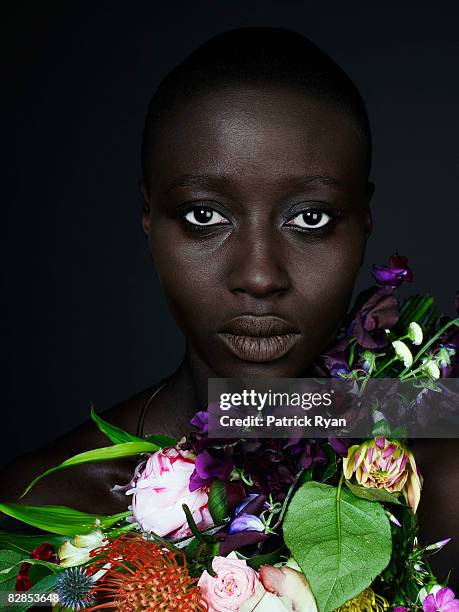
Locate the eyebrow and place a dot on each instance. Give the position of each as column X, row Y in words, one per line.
column 216, row 181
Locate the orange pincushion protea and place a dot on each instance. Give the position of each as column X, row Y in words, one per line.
column 143, row 577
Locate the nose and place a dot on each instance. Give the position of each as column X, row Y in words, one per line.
column 257, row 267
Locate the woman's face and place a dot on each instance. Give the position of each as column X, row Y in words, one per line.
column 257, row 217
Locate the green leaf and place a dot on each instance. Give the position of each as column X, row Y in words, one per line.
column 329, row 472
column 126, row 449
column 27, row 543
column 44, row 586
column 340, row 542
column 9, row 565
column 162, row 441
column 218, row 503
column 53, row 567
column 379, row 495
column 114, row 433
column 60, row 519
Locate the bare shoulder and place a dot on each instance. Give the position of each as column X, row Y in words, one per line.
column 86, row 487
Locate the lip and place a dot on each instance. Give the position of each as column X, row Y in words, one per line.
column 259, row 339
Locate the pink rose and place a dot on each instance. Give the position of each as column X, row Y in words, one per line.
column 234, row 584
column 159, row 488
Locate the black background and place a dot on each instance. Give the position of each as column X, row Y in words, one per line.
column 86, row 319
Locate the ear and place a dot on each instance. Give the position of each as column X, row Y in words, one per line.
column 146, row 209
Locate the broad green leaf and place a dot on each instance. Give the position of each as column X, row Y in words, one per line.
column 218, row 504
column 125, row 449
column 114, row 433
column 379, row 495
column 340, row 542
column 26, row 543
column 162, row 441
column 60, row 519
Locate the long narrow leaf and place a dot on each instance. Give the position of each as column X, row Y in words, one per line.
column 54, row 567
column 161, row 440
column 60, row 519
column 126, row 449
column 114, row 434
column 27, row 543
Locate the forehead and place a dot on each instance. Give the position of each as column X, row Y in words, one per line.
column 259, row 133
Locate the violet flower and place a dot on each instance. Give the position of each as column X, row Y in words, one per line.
column 376, row 310
column 395, row 273
column 235, row 541
column 440, row 599
column 449, row 368
column 340, row 445
column 208, row 468
column 246, row 522
column 201, row 421
column 252, row 504
column 334, row 362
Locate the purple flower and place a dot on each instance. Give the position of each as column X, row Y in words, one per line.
column 234, row 541
column 340, row 445
column 395, row 273
column 376, row 310
column 201, row 421
column 440, row 600
column 246, row 522
column 334, row 362
column 208, row 468
column 401, row 609
column 252, row 504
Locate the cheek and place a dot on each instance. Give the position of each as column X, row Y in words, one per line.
column 191, row 278
column 325, row 281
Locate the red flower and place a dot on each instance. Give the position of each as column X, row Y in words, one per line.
column 44, row 552
column 142, row 575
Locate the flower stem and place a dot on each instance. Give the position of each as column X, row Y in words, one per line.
column 286, row 500
column 431, row 341
column 385, row 366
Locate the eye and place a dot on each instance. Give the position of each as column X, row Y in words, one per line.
column 204, row 216
column 311, row 219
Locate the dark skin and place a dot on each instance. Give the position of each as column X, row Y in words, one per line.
column 236, row 178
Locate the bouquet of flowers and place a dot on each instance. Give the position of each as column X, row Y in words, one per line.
column 259, row 525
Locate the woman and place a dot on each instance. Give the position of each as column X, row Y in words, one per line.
column 256, row 157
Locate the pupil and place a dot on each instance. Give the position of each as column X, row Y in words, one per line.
column 312, row 217
column 202, row 215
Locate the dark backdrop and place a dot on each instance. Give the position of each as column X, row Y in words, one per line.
column 86, row 319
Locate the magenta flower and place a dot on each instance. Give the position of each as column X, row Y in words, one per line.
column 440, row 599
column 395, row 273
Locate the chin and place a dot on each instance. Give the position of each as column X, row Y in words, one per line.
column 279, row 368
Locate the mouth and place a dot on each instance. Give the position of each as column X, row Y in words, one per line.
column 259, row 339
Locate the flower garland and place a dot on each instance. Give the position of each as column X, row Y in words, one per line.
column 301, row 525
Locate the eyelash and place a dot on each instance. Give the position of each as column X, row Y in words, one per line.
column 203, row 227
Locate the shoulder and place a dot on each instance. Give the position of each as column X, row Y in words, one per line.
column 79, row 486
